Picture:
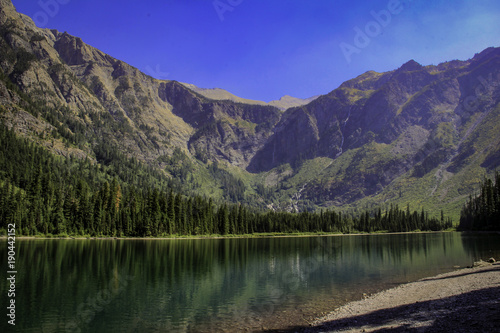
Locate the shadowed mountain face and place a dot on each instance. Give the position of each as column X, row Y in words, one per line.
column 380, row 108
column 408, row 135
column 414, row 134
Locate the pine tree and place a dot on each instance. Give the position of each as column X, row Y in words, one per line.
column 59, row 221
column 483, row 211
column 223, row 215
column 171, row 213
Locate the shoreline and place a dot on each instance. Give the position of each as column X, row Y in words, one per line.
column 249, row 236
column 464, row 300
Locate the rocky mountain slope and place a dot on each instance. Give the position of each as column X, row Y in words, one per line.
column 57, row 70
column 424, row 135
column 417, row 134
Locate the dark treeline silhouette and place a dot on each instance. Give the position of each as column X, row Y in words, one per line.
column 483, row 211
column 46, row 194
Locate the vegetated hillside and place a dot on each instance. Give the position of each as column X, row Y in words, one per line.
column 44, row 194
column 424, row 135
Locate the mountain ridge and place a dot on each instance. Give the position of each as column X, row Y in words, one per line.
column 424, row 135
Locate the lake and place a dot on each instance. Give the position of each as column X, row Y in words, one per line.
column 211, row 285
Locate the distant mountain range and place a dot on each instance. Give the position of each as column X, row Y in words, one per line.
column 283, row 103
column 422, row 135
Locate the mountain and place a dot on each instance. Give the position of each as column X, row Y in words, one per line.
column 423, row 135
column 287, row 102
column 283, row 103
column 419, row 134
column 75, row 100
column 153, row 117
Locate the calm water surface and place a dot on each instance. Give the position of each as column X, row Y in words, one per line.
column 210, row 285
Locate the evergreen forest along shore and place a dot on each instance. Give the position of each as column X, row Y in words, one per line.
column 44, row 194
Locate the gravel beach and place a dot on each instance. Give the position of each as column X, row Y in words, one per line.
column 466, row 300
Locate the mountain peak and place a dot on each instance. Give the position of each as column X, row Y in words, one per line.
column 283, row 103
column 288, row 98
column 410, row 66
column 6, row 3
column 6, row 8
column 489, row 52
column 287, row 101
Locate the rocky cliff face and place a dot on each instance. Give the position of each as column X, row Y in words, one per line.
column 373, row 107
column 224, row 129
column 414, row 133
column 154, row 117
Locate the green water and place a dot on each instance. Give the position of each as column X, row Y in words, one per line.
column 210, row 285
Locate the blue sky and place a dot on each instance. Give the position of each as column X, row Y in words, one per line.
column 264, row 49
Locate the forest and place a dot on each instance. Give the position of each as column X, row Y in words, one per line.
column 482, row 212
column 44, row 194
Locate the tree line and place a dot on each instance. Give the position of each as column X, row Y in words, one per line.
column 45, row 194
column 482, row 212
